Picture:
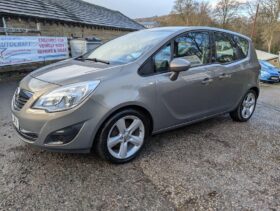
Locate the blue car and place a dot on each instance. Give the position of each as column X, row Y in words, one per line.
column 269, row 73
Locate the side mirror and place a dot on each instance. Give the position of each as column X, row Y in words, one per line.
column 178, row 65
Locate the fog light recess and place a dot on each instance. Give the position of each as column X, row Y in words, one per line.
column 64, row 136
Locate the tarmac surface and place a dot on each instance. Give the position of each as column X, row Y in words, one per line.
column 213, row 165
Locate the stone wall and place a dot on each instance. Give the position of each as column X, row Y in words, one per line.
column 52, row 28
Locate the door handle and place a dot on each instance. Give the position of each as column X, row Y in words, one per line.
column 224, row 76
column 207, row 81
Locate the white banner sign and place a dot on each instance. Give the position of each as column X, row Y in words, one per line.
column 25, row 49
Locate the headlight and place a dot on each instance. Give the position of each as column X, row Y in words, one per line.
column 265, row 74
column 66, row 97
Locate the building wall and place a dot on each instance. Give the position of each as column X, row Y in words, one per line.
column 50, row 28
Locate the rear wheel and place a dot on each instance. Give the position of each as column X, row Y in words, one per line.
column 123, row 136
column 246, row 108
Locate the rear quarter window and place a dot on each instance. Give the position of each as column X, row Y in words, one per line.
column 243, row 44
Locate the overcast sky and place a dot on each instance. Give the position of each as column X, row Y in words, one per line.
column 137, row 8
column 141, row 8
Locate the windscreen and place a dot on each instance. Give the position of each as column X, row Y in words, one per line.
column 128, row 48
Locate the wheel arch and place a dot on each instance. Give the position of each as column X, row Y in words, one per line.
column 140, row 108
column 256, row 89
column 114, row 111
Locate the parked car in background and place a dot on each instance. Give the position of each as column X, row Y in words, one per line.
column 146, row 82
column 269, row 73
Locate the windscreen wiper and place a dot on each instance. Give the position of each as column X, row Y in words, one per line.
column 97, row 60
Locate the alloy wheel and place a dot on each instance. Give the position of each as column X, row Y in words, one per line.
column 248, row 105
column 126, row 137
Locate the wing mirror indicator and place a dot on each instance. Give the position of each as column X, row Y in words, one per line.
column 178, row 65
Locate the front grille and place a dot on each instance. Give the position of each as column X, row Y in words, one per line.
column 274, row 78
column 20, row 98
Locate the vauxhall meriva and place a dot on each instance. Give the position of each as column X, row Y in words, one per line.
column 146, row 82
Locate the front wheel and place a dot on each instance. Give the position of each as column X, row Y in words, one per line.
column 123, row 136
column 246, row 108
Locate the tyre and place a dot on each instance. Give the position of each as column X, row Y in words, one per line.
column 246, row 108
column 122, row 136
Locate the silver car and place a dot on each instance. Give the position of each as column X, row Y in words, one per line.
column 146, row 82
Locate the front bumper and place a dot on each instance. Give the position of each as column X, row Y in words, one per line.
column 36, row 126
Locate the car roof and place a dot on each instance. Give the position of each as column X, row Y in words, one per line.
column 182, row 29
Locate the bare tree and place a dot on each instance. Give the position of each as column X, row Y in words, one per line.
column 269, row 15
column 233, row 15
column 226, row 10
column 203, row 13
column 192, row 12
column 185, row 9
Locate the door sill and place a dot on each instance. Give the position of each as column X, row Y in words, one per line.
column 188, row 123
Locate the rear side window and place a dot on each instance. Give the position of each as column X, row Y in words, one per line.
column 243, row 44
column 225, row 51
column 230, row 48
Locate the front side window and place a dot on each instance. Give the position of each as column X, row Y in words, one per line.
column 194, row 47
column 162, row 59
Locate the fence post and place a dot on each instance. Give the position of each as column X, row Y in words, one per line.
column 4, row 25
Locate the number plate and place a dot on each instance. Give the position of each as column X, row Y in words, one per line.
column 15, row 121
column 274, row 78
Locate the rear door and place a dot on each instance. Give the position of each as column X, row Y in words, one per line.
column 229, row 68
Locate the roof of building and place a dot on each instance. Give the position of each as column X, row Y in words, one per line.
column 77, row 11
column 262, row 55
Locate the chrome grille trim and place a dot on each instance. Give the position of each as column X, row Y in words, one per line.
column 21, row 97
